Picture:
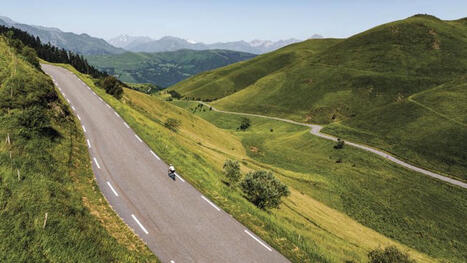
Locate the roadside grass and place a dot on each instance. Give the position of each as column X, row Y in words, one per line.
column 303, row 229
column 55, row 178
column 414, row 209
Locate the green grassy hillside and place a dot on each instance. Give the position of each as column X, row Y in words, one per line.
column 45, row 171
column 398, row 203
column 304, row 228
column 363, row 86
column 165, row 68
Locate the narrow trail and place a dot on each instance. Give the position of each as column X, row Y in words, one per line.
column 316, row 130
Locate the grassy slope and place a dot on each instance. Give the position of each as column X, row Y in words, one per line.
column 403, row 205
column 56, row 179
column 304, row 229
column 359, row 83
column 165, row 68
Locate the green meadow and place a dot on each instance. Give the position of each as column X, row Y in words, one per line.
column 399, row 87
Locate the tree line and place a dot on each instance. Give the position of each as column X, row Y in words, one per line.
column 30, row 47
column 52, row 53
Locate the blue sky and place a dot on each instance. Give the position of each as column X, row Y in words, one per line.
column 219, row 20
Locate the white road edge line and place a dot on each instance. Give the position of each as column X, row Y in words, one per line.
column 89, row 144
column 107, row 106
column 139, row 139
column 100, row 99
column 84, row 128
column 126, row 125
column 172, row 261
column 140, row 225
column 79, row 118
column 211, row 203
column 178, row 176
column 259, row 241
column 111, row 188
column 155, row 155
column 95, row 160
column 116, row 114
column 73, row 107
column 68, row 100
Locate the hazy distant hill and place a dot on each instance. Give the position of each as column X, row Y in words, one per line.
column 165, row 68
column 83, row 43
column 169, row 43
column 126, row 41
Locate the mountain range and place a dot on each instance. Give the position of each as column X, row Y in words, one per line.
column 79, row 43
column 170, row 43
column 87, row 45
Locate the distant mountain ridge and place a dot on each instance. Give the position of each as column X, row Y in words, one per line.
column 170, row 43
column 165, row 68
column 79, row 43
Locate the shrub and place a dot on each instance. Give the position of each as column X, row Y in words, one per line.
column 112, row 86
column 245, row 124
column 30, row 56
column 174, row 94
column 389, row 255
column 31, row 121
column 263, row 189
column 172, row 124
column 232, row 171
column 340, row 144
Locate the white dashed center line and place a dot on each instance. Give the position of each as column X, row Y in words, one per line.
column 211, row 203
column 111, row 188
column 178, row 176
column 259, row 241
column 139, row 139
column 97, row 164
column 84, row 128
column 89, row 143
column 155, row 155
column 140, row 225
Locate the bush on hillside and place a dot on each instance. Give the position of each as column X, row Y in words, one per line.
column 174, row 94
column 245, row 124
column 340, row 144
column 232, row 172
column 172, row 124
column 30, row 56
column 389, row 255
column 263, row 189
column 112, row 86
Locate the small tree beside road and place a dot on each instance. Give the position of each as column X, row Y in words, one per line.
column 263, row 189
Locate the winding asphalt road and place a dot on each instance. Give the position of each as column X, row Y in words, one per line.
column 176, row 221
column 316, row 130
